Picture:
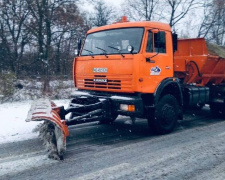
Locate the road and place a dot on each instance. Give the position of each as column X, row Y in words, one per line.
column 195, row 150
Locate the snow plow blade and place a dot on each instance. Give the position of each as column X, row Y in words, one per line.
column 54, row 130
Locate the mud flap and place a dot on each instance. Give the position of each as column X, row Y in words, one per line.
column 54, row 130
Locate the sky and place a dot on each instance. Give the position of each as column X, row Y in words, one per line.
column 87, row 6
column 115, row 2
column 187, row 26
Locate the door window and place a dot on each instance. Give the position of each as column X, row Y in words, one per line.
column 150, row 42
column 159, row 44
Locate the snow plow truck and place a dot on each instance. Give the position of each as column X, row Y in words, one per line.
column 136, row 69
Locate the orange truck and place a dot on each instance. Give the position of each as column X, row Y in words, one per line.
column 138, row 69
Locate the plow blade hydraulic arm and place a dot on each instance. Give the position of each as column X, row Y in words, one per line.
column 85, row 117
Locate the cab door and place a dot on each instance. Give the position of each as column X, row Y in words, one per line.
column 158, row 59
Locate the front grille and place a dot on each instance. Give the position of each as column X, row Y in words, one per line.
column 114, row 82
column 110, row 84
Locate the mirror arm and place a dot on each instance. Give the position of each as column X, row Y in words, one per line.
column 149, row 59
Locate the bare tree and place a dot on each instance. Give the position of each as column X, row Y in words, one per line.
column 141, row 9
column 49, row 28
column 13, row 34
column 40, row 27
column 70, row 27
column 103, row 14
column 213, row 24
column 177, row 10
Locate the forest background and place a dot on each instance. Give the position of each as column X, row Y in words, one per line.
column 38, row 38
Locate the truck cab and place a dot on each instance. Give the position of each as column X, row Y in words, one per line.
column 129, row 57
column 131, row 65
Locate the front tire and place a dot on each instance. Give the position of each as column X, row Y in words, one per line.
column 165, row 117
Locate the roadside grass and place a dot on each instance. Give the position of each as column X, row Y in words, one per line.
column 12, row 89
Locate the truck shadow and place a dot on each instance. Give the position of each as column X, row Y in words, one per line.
column 197, row 118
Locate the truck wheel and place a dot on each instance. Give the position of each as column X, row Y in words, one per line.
column 166, row 115
column 217, row 110
column 199, row 106
column 109, row 120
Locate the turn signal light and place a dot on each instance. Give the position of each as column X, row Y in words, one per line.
column 126, row 107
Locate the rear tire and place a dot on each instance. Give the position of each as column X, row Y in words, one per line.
column 166, row 115
column 199, row 106
column 217, row 110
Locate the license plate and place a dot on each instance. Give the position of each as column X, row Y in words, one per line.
column 100, row 80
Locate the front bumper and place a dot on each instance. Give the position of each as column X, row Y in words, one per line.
column 115, row 100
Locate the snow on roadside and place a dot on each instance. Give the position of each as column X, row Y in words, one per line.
column 13, row 127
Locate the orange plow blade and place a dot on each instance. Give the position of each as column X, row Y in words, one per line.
column 54, row 130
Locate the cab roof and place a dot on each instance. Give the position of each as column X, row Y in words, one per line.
column 145, row 24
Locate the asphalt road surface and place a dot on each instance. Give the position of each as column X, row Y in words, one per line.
column 195, row 150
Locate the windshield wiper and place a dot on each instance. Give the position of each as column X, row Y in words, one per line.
column 90, row 52
column 117, row 50
column 104, row 51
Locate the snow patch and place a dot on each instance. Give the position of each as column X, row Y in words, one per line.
column 80, row 93
column 106, row 172
column 121, row 98
column 52, row 137
column 13, row 126
column 23, row 164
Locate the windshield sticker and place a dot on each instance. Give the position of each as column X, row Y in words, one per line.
column 155, row 71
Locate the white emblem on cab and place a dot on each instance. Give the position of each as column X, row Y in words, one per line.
column 155, row 71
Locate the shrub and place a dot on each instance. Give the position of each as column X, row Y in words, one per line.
column 7, row 83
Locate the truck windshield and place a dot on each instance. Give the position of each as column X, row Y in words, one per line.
column 114, row 41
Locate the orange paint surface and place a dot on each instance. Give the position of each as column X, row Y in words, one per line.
column 132, row 73
column 194, row 63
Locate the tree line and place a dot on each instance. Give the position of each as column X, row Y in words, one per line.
column 38, row 37
column 199, row 18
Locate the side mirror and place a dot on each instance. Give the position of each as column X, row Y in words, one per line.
column 77, row 51
column 174, row 36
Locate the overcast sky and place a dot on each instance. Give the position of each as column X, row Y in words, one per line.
column 186, row 26
column 115, row 2
column 88, row 6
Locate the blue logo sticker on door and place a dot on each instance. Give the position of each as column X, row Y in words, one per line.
column 155, row 71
